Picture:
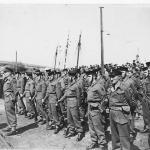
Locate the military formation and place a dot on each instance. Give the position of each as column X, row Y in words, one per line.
column 80, row 100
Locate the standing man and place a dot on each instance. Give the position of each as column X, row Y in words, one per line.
column 72, row 94
column 28, row 94
column 20, row 91
column 40, row 91
column 146, row 100
column 53, row 96
column 10, row 101
column 95, row 96
column 119, row 113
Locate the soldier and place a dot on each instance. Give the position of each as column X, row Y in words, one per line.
column 144, row 103
column 81, row 84
column 119, row 113
column 20, row 91
column 146, row 100
column 40, row 91
column 131, row 88
column 28, row 94
column 72, row 94
column 95, row 96
column 10, row 101
column 53, row 95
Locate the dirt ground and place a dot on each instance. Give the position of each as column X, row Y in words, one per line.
column 32, row 136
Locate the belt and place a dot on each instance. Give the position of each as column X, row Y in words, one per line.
column 94, row 108
column 116, row 108
column 7, row 91
column 52, row 93
column 71, row 97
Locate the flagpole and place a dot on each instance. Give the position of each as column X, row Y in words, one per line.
column 102, row 44
column 16, row 62
column 66, row 51
column 79, row 47
column 56, row 57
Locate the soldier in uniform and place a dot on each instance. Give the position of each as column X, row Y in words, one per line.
column 81, row 84
column 131, row 89
column 40, row 91
column 146, row 100
column 10, row 101
column 119, row 113
column 20, row 91
column 72, row 94
column 28, row 94
column 95, row 96
column 52, row 94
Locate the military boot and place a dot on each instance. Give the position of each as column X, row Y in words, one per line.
column 12, row 132
column 42, row 122
column 80, row 136
column 57, row 129
column 70, row 134
column 7, row 129
column 92, row 146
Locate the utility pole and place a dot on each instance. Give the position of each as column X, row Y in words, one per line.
column 79, row 48
column 56, row 57
column 102, row 42
column 66, row 51
column 16, row 62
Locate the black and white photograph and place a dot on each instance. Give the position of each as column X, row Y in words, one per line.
column 75, row 76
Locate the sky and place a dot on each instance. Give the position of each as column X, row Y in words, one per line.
column 35, row 30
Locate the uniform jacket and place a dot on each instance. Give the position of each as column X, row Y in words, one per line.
column 96, row 92
column 9, row 89
column 131, row 89
column 53, row 91
column 119, row 95
column 29, row 88
column 146, row 87
column 40, row 89
column 72, row 93
column 20, row 85
column 118, row 103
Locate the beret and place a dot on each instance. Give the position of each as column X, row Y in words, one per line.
column 147, row 64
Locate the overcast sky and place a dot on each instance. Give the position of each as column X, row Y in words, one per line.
column 34, row 31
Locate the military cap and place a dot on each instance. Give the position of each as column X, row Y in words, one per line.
column 148, row 64
column 144, row 68
column 116, row 72
column 29, row 72
column 72, row 72
column 58, row 72
column 38, row 73
column 65, row 69
column 48, row 70
column 17, row 72
column 122, row 68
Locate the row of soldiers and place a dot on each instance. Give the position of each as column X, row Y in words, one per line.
column 66, row 98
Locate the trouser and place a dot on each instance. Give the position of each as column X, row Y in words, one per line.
column 146, row 111
column 133, row 114
column 73, row 119
column 10, row 113
column 21, row 104
column 120, row 132
column 29, row 106
column 40, row 110
column 146, row 115
column 54, row 113
column 96, row 127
